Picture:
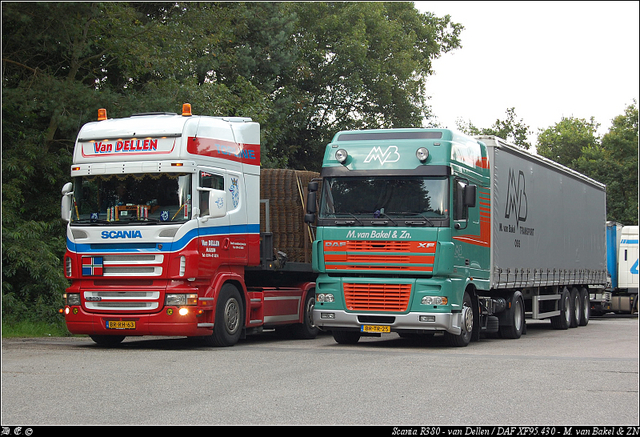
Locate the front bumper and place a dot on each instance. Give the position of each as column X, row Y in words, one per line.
column 167, row 322
column 449, row 322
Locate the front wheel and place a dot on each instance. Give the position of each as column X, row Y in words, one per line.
column 229, row 318
column 346, row 337
column 463, row 339
column 107, row 340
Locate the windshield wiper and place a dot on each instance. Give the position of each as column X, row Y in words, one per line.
column 89, row 221
column 424, row 220
column 348, row 222
column 379, row 213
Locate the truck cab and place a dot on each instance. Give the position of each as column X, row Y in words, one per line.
column 163, row 217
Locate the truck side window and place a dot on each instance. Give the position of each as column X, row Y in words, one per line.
column 460, row 210
column 212, row 181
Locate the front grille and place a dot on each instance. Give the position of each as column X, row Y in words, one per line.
column 133, row 264
column 400, row 256
column 131, row 306
column 104, row 300
column 377, row 297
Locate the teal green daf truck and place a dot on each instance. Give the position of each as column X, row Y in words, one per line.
column 428, row 231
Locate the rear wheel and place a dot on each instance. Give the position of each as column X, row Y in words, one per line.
column 229, row 318
column 463, row 339
column 516, row 318
column 585, row 304
column 576, row 307
column 564, row 319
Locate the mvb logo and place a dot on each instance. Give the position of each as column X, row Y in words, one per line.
column 516, row 197
column 389, row 155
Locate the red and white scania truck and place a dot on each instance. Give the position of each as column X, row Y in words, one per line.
column 173, row 230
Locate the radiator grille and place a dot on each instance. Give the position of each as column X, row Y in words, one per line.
column 382, row 255
column 377, row 297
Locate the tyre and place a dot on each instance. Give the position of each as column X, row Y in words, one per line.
column 346, row 337
column 564, row 319
column 107, row 340
column 576, row 308
column 516, row 319
column 307, row 329
column 463, row 339
column 585, row 304
column 229, row 320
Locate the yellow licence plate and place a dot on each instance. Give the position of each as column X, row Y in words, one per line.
column 375, row 328
column 117, row 324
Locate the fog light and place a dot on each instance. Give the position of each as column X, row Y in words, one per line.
column 183, row 311
column 434, row 300
column 427, row 318
column 327, row 316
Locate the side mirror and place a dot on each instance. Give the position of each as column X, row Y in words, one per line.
column 65, row 204
column 217, row 203
column 310, row 216
column 470, row 195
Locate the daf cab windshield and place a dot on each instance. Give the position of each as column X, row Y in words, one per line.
column 126, row 198
column 385, row 200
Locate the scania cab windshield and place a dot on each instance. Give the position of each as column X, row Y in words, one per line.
column 122, row 199
column 392, row 201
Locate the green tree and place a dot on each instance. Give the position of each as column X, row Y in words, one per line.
column 511, row 129
column 614, row 162
column 362, row 65
column 564, row 141
column 303, row 70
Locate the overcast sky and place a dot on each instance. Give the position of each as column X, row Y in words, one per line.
column 547, row 59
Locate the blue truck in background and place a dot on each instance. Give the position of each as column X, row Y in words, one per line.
column 621, row 294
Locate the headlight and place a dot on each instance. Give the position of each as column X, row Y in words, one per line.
column 73, row 299
column 434, row 300
column 324, row 297
column 181, row 299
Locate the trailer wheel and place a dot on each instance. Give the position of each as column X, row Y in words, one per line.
column 307, row 329
column 586, row 306
column 564, row 319
column 107, row 340
column 346, row 337
column 576, row 307
column 463, row 339
column 516, row 318
column 229, row 318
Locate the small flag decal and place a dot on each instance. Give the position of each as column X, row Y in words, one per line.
column 92, row 266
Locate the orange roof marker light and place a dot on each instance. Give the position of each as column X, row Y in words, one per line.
column 186, row 110
column 102, row 114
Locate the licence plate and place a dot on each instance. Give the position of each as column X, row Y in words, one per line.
column 375, row 328
column 117, row 324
